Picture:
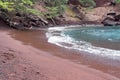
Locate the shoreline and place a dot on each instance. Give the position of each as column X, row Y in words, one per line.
column 57, row 37
column 38, row 40
column 26, row 60
column 84, row 24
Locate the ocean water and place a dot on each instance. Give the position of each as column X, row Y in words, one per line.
column 101, row 41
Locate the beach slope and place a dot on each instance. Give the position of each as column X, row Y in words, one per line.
column 23, row 62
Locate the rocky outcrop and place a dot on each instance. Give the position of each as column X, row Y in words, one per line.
column 109, row 22
column 74, row 2
column 22, row 21
column 100, row 3
column 74, row 14
column 27, row 22
column 117, row 17
column 112, row 19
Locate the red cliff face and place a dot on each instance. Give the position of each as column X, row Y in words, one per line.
column 101, row 2
column 98, row 2
column 74, row 2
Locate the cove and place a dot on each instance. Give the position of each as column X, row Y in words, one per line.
column 59, row 41
column 103, row 41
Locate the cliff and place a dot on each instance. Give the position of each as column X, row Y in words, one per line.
column 47, row 13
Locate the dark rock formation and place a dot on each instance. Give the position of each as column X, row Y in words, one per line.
column 112, row 3
column 22, row 21
column 112, row 19
column 109, row 22
column 27, row 22
column 117, row 17
column 79, row 13
column 74, row 2
column 100, row 3
column 111, row 13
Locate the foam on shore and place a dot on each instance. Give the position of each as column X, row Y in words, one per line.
column 55, row 36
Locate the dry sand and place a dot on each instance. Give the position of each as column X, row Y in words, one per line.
column 23, row 62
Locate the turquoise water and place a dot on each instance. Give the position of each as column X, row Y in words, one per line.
column 107, row 37
column 102, row 41
column 110, row 34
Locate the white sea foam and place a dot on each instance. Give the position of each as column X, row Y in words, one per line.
column 79, row 45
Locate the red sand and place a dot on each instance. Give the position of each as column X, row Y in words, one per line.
column 22, row 62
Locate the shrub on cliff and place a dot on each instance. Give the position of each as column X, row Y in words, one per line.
column 117, row 1
column 14, row 4
column 6, row 5
column 55, row 7
column 19, row 6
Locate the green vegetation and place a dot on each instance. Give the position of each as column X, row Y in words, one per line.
column 6, row 5
column 54, row 11
column 88, row 3
column 55, row 7
column 117, row 1
column 14, row 4
column 55, row 3
column 20, row 6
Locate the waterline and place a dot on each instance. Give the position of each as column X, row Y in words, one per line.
column 58, row 37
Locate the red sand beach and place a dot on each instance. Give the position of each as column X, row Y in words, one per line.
column 24, row 62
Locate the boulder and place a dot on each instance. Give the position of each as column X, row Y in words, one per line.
column 74, row 2
column 112, row 2
column 117, row 17
column 111, row 13
column 109, row 22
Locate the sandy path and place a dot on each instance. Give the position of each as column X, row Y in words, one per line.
column 22, row 62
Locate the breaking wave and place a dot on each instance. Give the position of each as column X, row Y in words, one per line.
column 66, row 37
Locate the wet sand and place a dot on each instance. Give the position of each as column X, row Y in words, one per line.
column 20, row 61
column 38, row 40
